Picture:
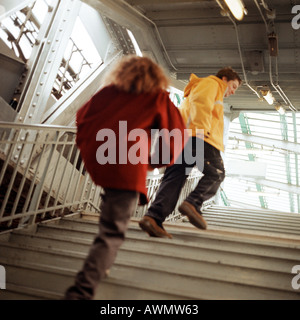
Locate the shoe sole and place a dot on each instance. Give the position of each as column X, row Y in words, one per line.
column 148, row 227
column 194, row 218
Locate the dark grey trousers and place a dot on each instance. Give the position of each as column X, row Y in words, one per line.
column 175, row 176
column 116, row 209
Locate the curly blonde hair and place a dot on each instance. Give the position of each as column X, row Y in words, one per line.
column 136, row 74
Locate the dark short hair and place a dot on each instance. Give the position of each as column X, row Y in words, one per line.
column 229, row 73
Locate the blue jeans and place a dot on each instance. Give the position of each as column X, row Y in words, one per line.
column 176, row 175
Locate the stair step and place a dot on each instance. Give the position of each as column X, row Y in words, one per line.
column 253, row 220
column 195, row 264
column 17, row 292
column 250, row 211
column 201, row 239
column 189, row 280
column 269, row 273
column 165, row 247
column 70, row 258
column 259, row 213
column 270, row 220
column 252, row 224
column 39, row 277
column 114, row 289
column 17, row 254
column 190, row 287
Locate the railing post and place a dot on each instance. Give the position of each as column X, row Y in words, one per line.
column 34, row 203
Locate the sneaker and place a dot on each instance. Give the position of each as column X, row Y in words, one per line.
column 195, row 218
column 150, row 226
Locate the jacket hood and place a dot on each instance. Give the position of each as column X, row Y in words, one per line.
column 194, row 80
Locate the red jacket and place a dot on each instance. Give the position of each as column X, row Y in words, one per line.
column 102, row 114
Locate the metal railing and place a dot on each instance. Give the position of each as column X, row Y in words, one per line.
column 42, row 176
column 153, row 183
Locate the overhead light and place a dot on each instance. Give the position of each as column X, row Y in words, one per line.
column 237, row 8
column 267, row 94
column 280, row 109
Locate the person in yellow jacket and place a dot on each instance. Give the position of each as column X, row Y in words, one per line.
column 202, row 111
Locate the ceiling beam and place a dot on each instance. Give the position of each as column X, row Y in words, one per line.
column 169, row 2
column 211, row 20
column 11, row 6
column 262, row 77
column 144, row 30
column 118, row 12
column 271, row 184
column 278, row 144
column 258, row 46
column 63, row 111
column 209, row 14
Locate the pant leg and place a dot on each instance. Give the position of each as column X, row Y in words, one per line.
column 172, row 182
column 116, row 208
column 214, row 174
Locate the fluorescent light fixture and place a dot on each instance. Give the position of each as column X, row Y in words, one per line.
column 268, row 96
column 280, row 109
column 237, row 8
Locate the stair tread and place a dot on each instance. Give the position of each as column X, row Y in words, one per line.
column 17, row 252
column 185, row 229
column 220, row 262
column 141, row 239
column 26, row 293
column 137, row 274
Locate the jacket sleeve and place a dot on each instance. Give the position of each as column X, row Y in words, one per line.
column 202, row 100
column 170, row 137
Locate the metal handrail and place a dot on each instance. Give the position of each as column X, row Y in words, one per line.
column 42, row 176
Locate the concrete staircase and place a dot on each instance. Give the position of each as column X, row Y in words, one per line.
column 242, row 255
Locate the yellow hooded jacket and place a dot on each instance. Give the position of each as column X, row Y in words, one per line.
column 202, row 108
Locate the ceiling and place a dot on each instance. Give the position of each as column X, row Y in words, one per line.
column 195, row 36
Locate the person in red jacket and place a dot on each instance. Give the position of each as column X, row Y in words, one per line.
column 115, row 131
